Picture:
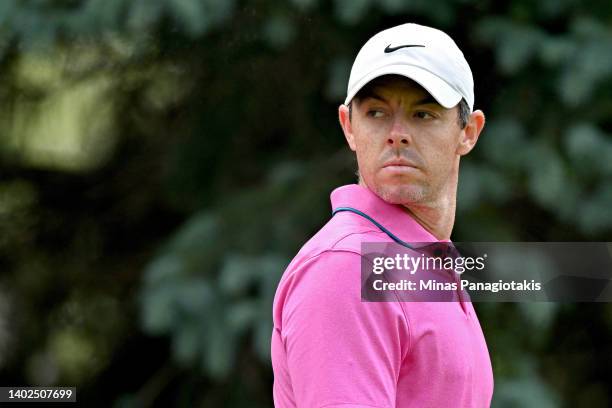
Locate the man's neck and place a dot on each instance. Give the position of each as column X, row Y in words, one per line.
column 438, row 219
column 436, row 216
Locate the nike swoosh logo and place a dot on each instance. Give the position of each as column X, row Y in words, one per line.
column 391, row 49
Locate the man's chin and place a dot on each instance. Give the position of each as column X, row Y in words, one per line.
column 400, row 194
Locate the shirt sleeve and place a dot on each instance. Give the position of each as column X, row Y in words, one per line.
column 341, row 351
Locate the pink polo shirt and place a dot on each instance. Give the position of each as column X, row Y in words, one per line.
column 330, row 349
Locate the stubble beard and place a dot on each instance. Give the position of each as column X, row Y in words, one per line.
column 403, row 194
column 407, row 194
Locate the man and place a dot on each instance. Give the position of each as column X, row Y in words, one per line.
column 408, row 117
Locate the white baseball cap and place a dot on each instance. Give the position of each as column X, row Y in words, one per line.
column 426, row 55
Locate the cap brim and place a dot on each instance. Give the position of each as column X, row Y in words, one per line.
column 437, row 87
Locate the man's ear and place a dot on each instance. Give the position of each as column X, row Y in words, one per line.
column 347, row 126
column 471, row 132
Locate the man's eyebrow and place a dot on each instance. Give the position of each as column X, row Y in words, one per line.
column 428, row 99
column 374, row 95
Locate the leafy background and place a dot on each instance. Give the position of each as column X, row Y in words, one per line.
column 161, row 161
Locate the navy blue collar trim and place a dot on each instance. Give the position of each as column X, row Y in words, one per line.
column 373, row 221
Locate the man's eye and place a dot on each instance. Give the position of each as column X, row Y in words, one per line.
column 423, row 115
column 375, row 113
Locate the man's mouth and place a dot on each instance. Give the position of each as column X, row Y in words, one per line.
column 399, row 164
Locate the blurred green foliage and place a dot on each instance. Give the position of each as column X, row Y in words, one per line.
column 161, row 161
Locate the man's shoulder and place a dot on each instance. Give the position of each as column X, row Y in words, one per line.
column 333, row 254
column 342, row 233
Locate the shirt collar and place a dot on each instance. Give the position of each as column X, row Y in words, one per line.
column 394, row 217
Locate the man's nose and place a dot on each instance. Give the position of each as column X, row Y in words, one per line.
column 400, row 133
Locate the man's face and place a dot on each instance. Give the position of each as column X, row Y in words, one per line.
column 407, row 145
